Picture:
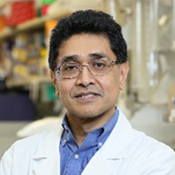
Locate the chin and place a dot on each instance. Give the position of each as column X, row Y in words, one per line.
column 86, row 113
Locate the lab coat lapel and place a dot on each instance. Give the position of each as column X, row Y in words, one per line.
column 101, row 165
column 108, row 159
column 47, row 159
column 49, row 165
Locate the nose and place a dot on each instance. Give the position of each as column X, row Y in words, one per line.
column 85, row 77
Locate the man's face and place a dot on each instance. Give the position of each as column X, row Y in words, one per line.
column 89, row 96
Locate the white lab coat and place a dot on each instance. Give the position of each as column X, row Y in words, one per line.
column 125, row 152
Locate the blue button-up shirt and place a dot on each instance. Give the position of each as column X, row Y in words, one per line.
column 74, row 158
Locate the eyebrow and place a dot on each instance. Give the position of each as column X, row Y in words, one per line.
column 67, row 58
column 75, row 57
column 98, row 54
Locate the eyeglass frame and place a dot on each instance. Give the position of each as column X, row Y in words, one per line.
column 112, row 62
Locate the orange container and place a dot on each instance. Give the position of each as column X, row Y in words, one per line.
column 2, row 23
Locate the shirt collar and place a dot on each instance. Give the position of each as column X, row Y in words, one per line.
column 67, row 136
column 108, row 127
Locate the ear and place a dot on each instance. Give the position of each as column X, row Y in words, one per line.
column 54, row 80
column 124, row 69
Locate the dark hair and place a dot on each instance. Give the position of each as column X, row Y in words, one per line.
column 92, row 22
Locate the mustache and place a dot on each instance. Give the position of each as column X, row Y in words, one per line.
column 89, row 89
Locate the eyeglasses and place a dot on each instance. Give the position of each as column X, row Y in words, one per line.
column 72, row 69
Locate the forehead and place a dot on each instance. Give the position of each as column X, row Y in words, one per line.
column 85, row 44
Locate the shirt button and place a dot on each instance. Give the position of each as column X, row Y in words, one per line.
column 76, row 156
column 100, row 144
column 64, row 141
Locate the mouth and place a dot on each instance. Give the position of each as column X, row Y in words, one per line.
column 87, row 96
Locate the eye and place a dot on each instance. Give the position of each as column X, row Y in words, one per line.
column 98, row 63
column 70, row 67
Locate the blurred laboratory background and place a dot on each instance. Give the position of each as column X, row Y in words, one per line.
column 28, row 103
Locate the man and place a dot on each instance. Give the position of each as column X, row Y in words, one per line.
column 88, row 62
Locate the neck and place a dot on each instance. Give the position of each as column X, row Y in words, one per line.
column 81, row 127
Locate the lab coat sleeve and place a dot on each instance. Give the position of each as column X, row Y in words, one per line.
column 6, row 163
column 161, row 161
